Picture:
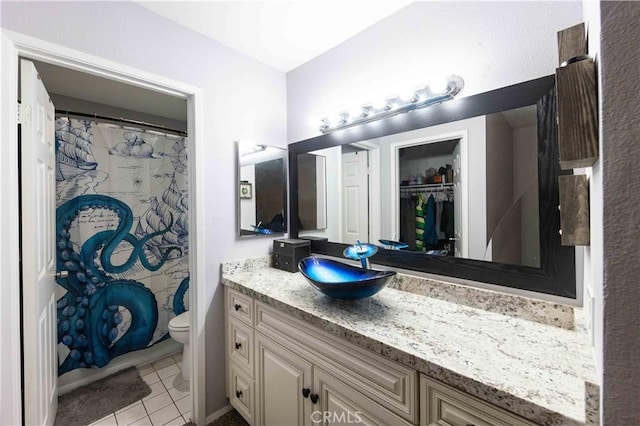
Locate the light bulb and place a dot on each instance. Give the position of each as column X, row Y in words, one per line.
column 409, row 95
column 357, row 113
column 439, row 85
column 392, row 103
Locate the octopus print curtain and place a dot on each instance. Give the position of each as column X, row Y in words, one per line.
column 122, row 235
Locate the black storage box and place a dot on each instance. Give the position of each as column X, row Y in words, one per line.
column 287, row 252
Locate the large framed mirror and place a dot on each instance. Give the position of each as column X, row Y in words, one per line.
column 467, row 189
column 261, row 190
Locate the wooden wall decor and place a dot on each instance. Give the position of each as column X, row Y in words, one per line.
column 574, row 210
column 572, row 42
column 577, row 101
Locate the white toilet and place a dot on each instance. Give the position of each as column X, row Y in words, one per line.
column 179, row 331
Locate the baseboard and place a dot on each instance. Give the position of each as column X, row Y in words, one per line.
column 83, row 376
column 221, row 412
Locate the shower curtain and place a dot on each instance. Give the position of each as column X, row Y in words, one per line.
column 122, row 235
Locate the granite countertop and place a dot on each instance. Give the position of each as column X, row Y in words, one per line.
column 541, row 372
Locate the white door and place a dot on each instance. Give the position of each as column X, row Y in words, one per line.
column 459, row 242
column 355, row 196
column 38, row 248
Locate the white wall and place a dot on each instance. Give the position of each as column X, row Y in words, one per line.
column 525, row 189
column 132, row 35
column 489, row 44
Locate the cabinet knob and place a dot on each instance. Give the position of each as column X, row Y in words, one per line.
column 314, row 398
column 237, row 306
column 306, row 392
column 238, row 394
column 238, row 345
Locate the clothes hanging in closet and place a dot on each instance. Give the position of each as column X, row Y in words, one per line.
column 420, row 223
column 430, row 234
column 427, row 223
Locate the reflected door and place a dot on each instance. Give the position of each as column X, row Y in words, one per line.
column 355, row 196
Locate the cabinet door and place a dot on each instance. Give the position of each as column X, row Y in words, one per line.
column 280, row 380
column 442, row 405
column 339, row 404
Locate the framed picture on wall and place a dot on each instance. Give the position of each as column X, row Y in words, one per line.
column 245, row 189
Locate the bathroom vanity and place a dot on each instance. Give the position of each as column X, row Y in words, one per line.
column 452, row 357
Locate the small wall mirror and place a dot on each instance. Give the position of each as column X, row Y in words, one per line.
column 262, row 190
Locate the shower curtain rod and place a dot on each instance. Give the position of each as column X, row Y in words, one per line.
column 121, row 120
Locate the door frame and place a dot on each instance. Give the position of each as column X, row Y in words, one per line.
column 394, row 181
column 14, row 46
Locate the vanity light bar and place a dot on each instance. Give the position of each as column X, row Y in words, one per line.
column 394, row 105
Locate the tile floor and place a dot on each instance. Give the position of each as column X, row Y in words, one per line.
column 169, row 402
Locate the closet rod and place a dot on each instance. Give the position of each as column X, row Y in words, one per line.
column 64, row 112
column 444, row 188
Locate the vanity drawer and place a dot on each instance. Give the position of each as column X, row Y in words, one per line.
column 239, row 306
column 242, row 392
column 240, row 344
column 442, row 405
column 391, row 385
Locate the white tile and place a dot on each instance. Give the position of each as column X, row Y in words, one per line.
column 178, row 421
column 173, row 381
column 164, row 362
column 177, row 357
column 184, row 404
column 132, row 414
column 179, row 364
column 157, row 402
column 133, row 404
column 109, row 420
column 168, row 371
column 156, row 389
column 151, row 378
column 164, row 415
column 187, row 416
column 145, row 421
column 179, row 391
column 146, row 369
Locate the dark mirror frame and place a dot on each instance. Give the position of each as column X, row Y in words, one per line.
column 556, row 274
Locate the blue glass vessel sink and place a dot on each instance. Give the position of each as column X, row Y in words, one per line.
column 261, row 230
column 341, row 281
column 394, row 245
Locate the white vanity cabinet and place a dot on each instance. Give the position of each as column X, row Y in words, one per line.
column 239, row 353
column 282, row 371
column 300, row 375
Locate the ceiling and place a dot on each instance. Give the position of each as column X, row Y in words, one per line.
column 282, row 34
